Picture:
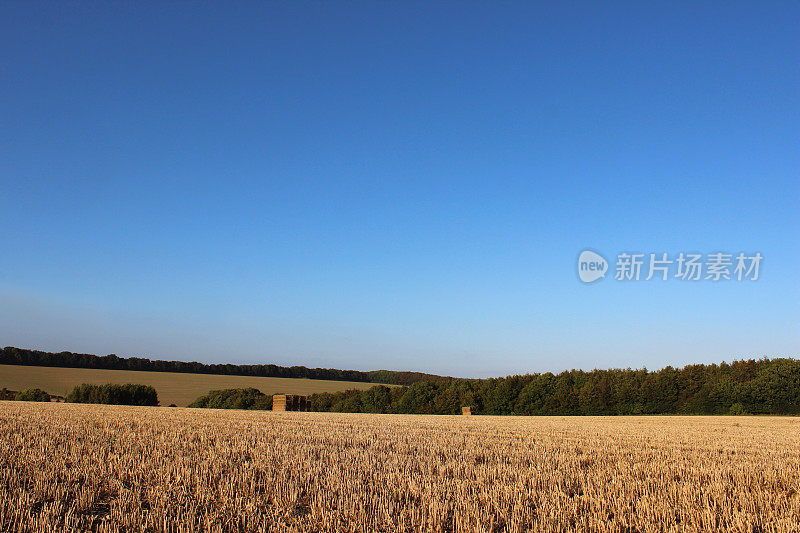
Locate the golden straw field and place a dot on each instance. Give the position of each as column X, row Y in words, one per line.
column 110, row 468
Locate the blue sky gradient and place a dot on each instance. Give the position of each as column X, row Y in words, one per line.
column 397, row 185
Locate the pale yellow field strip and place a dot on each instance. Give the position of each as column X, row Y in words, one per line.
column 180, row 389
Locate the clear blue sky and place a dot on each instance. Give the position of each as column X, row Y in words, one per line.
column 399, row 185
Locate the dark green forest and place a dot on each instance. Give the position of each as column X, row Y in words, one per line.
column 758, row 387
column 20, row 356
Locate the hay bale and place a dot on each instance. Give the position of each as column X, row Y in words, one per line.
column 289, row 402
column 467, row 410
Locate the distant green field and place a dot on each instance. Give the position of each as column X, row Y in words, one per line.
column 177, row 388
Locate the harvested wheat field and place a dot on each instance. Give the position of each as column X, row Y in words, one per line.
column 109, row 468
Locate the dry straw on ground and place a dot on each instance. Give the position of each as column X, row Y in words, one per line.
column 77, row 467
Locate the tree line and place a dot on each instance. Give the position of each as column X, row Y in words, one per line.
column 27, row 395
column 114, row 394
column 20, row 356
column 110, row 393
column 748, row 386
column 766, row 386
column 247, row 398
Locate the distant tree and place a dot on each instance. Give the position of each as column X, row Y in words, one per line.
column 248, row 398
column 321, row 402
column 111, row 393
column 377, row 399
column 6, row 394
column 32, row 395
column 721, row 396
column 534, row 397
column 737, row 409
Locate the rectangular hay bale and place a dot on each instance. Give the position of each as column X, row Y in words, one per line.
column 289, row 402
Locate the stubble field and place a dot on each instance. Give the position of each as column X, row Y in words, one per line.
column 111, row 468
